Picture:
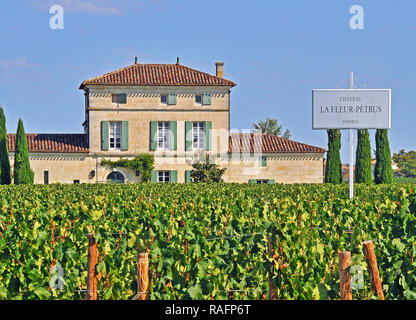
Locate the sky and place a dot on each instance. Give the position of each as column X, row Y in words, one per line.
column 276, row 52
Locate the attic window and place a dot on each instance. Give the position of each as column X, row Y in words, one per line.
column 119, row 98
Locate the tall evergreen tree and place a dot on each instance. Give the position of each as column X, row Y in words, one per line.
column 22, row 172
column 363, row 158
column 5, row 177
column 383, row 173
column 333, row 170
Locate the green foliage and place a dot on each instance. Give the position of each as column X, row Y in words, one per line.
column 271, row 126
column 5, row 177
column 363, row 172
column 406, row 161
column 204, row 240
column 383, row 173
column 203, row 170
column 22, row 173
column 144, row 163
column 404, row 180
column 333, row 170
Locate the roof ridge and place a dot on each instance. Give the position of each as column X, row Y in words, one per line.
column 208, row 74
column 169, row 74
column 290, row 144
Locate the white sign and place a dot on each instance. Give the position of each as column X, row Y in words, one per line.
column 351, row 109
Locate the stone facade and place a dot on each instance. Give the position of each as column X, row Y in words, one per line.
column 280, row 161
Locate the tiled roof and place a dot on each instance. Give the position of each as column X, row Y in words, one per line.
column 158, row 75
column 52, row 142
column 267, row 143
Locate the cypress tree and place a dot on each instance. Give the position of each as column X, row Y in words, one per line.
column 22, row 172
column 4, row 152
column 383, row 172
column 333, row 170
column 363, row 158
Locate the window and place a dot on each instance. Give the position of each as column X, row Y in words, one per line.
column 76, row 181
column 46, row 177
column 198, row 134
column 163, row 176
column 115, row 135
column 164, row 99
column 198, row 99
column 115, row 177
column 119, row 98
column 262, row 181
column 163, row 135
column 263, row 161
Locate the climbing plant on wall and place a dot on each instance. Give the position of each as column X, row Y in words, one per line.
column 143, row 163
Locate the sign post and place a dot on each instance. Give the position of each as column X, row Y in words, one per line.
column 351, row 109
column 351, row 179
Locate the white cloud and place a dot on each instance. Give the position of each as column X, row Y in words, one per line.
column 16, row 63
column 101, row 7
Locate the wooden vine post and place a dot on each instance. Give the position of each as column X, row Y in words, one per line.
column 370, row 257
column 142, row 275
column 344, row 275
column 92, row 264
column 272, row 286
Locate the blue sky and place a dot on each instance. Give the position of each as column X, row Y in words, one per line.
column 276, row 52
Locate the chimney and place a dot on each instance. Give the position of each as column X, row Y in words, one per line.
column 220, row 69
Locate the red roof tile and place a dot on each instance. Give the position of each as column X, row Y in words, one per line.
column 158, row 75
column 267, row 143
column 52, row 142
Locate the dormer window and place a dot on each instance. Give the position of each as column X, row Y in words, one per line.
column 119, row 98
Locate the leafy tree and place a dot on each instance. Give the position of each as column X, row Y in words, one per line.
column 383, row 173
column 333, row 170
column 206, row 171
column 5, row 177
column 271, row 126
column 363, row 158
column 22, row 172
column 406, row 161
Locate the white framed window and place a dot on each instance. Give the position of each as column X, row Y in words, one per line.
column 163, row 176
column 163, row 135
column 198, row 134
column 114, row 135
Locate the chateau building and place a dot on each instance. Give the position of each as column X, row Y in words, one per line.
column 173, row 112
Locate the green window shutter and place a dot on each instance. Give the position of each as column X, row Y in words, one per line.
column 208, row 129
column 171, row 98
column 174, row 176
column 187, row 176
column 188, row 135
column 124, row 135
column 270, row 182
column 263, row 161
column 252, row 181
column 206, row 99
column 174, row 134
column 104, row 135
column 153, row 132
column 154, row 176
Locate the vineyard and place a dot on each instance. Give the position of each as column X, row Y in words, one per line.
column 222, row 241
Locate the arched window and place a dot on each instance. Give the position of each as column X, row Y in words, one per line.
column 115, row 177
